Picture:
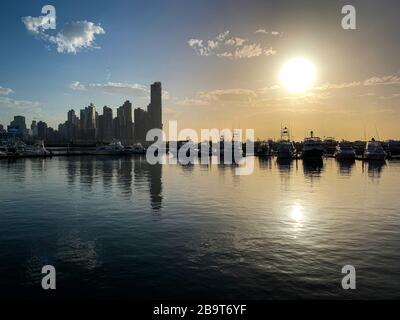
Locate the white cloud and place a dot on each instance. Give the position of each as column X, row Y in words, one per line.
column 393, row 79
column 5, row 91
column 272, row 33
column 225, row 45
column 35, row 24
column 74, row 37
column 12, row 106
column 129, row 89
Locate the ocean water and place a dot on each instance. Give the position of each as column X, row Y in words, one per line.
column 121, row 228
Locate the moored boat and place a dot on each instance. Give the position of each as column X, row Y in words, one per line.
column 345, row 151
column 374, row 151
column 313, row 148
column 114, row 148
column 285, row 148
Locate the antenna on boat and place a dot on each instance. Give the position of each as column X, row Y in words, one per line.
column 376, row 132
column 365, row 134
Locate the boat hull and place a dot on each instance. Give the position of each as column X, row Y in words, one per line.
column 312, row 154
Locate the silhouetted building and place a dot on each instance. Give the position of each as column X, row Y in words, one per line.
column 124, row 125
column 150, row 119
column 105, row 129
column 88, row 123
column 18, row 126
column 34, row 130
column 155, row 107
column 42, row 130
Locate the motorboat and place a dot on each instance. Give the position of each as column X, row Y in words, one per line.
column 114, row 148
column 36, row 150
column 263, row 149
column 374, row 151
column 345, row 151
column 312, row 147
column 285, row 148
column 137, row 148
column 330, row 145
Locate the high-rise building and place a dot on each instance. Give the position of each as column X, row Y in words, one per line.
column 155, row 107
column 141, row 125
column 107, row 124
column 42, row 130
column 34, row 129
column 124, row 125
column 150, row 119
column 88, row 123
column 18, row 125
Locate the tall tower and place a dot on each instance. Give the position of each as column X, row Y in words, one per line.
column 155, row 107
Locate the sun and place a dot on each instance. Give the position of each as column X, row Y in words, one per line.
column 298, row 75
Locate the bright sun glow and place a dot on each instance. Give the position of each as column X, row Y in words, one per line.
column 298, row 75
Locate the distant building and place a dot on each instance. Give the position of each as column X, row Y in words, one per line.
column 142, row 124
column 34, row 130
column 1, row 128
column 88, row 124
column 105, row 128
column 150, row 119
column 18, row 126
column 155, row 106
column 42, row 130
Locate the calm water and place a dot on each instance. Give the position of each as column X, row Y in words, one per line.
column 120, row 228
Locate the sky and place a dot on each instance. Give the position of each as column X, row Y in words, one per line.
column 218, row 61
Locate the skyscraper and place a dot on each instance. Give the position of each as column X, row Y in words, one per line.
column 150, row 119
column 155, row 106
column 18, row 125
column 88, row 123
column 107, row 124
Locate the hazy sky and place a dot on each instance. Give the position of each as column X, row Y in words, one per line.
column 218, row 61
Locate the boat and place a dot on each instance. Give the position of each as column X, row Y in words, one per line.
column 137, row 148
column 312, row 148
column 285, row 148
column 114, row 148
column 263, row 149
column 233, row 146
column 25, row 150
column 374, row 151
column 330, row 145
column 345, row 151
column 394, row 147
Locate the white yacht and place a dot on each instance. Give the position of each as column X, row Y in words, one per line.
column 137, row 148
column 312, row 147
column 344, row 151
column 285, row 148
column 37, row 150
column 374, row 151
column 114, row 148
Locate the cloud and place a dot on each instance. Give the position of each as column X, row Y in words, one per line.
column 35, row 25
column 129, row 89
column 12, row 106
column 393, row 79
column 225, row 45
column 5, row 91
column 272, row 33
column 229, row 95
column 74, row 37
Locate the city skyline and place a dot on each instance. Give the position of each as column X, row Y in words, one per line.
column 92, row 127
column 220, row 65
